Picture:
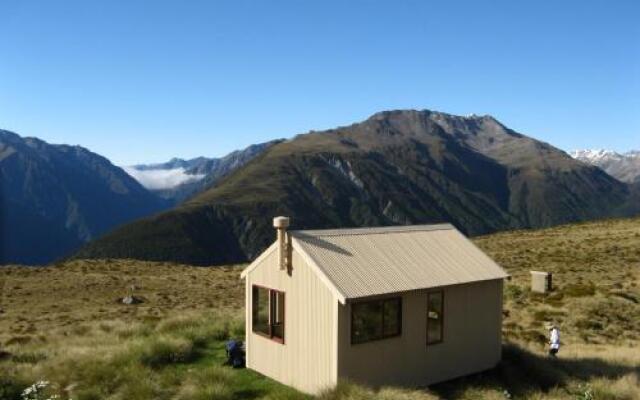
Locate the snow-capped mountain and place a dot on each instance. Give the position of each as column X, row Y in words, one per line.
column 178, row 179
column 623, row 166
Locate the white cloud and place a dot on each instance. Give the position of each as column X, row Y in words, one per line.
column 155, row 179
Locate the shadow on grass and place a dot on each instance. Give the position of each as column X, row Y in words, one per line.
column 248, row 394
column 522, row 372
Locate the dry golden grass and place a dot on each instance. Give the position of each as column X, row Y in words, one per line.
column 596, row 275
column 64, row 323
column 36, row 302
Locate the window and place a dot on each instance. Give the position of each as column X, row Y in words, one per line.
column 435, row 304
column 277, row 315
column 376, row 319
column 261, row 310
column 268, row 313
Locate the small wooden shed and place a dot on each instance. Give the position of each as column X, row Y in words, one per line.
column 401, row 305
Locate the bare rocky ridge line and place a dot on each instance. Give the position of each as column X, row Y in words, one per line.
column 622, row 166
column 396, row 167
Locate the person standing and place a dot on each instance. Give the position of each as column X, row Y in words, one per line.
column 554, row 340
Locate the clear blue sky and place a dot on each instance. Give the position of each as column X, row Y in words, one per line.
column 145, row 81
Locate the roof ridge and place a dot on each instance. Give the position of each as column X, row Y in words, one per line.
column 372, row 230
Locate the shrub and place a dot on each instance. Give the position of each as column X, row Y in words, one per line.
column 514, row 292
column 178, row 324
column 141, row 330
column 555, row 299
column 138, row 387
column 10, row 389
column 625, row 388
column 579, row 289
column 200, row 330
column 212, row 382
column 214, row 373
column 28, row 357
column 207, row 391
column 88, row 394
column 351, row 391
column 533, row 336
column 627, row 296
column 404, row 394
column 547, row 315
column 19, row 340
column 347, row 391
column 589, row 324
column 158, row 352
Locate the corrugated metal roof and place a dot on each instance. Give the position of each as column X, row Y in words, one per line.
column 371, row 261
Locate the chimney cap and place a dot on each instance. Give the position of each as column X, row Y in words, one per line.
column 281, row 222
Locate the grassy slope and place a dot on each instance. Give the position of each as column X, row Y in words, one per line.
column 596, row 269
column 65, row 325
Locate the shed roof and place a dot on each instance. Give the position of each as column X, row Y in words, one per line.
column 373, row 261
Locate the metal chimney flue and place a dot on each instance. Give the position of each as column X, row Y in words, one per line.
column 281, row 224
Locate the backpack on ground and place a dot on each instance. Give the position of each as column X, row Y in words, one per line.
column 235, row 353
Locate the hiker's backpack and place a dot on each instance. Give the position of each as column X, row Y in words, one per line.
column 235, row 353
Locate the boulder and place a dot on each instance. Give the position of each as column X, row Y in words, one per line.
column 129, row 300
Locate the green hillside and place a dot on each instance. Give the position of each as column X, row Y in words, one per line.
column 397, row 167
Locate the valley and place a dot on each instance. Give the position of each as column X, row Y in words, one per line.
column 178, row 179
column 54, row 198
column 395, row 168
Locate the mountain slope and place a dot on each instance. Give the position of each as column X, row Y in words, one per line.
column 625, row 167
column 54, row 198
column 178, row 179
column 397, row 167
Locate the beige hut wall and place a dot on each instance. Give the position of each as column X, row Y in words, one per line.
column 471, row 342
column 306, row 360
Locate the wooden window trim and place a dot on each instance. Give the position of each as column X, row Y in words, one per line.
column 432, row 343
column 270, row 336
column 383, row 337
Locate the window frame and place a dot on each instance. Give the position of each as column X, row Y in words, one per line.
column 271, row 293
column 432, row 343
column 383, row 336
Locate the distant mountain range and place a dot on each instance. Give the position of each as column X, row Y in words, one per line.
column 178, row 179
column 625, row 166
column 397, row 167
column 55, row 198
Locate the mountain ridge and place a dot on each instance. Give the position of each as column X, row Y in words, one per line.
column 396, row 167
column 178, row 179
column 55, row 197
column 622, row 166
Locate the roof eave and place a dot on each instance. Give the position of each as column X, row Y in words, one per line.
column 319, row 271
column 258, row 260
column 352, row 298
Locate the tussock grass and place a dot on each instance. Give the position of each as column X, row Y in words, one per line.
column 213, row 382
column 596, row 275
column 139, row 360
column 63, row 324
column 161, row 351
column 350, row 391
